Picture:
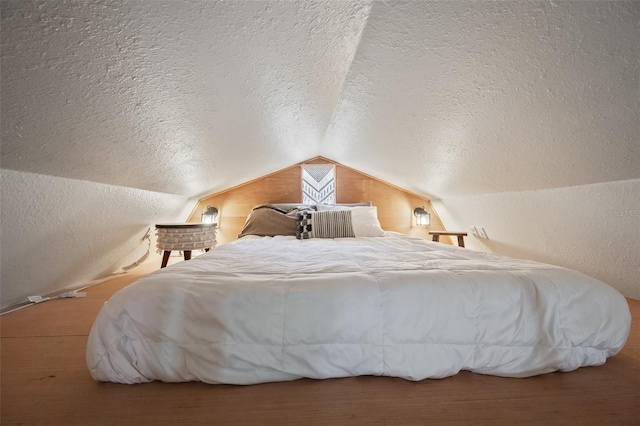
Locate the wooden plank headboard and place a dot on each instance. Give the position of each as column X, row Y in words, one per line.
column 395, row 205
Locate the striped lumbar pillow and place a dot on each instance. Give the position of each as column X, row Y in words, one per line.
column 328, row 224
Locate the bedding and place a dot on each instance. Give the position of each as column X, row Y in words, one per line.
column 264, row 309
column 269, row 220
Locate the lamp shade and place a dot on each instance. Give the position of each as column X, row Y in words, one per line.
column 422, row 217
column 209, row 215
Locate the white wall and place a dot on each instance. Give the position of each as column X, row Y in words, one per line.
column 93, row 89
column 459, row 98
column 594, row 229
column 57, row 233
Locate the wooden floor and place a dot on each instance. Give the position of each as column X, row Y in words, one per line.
column 45, row 381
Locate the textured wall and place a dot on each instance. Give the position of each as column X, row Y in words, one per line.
column 452, row 98
column 57, row 233
column 594, row 228
column 181, row 97
column 443, row 98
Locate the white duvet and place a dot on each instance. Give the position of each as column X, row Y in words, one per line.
column 265, row 309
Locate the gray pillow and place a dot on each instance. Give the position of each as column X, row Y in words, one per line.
column 268, row 220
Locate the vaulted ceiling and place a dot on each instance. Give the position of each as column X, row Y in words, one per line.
column 442, row 98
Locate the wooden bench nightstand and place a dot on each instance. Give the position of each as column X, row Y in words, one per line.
column 460, row 235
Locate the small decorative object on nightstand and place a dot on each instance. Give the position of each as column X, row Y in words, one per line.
column 460, row 235
column 185, row 237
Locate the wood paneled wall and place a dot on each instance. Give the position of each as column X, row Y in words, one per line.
column 395, row 205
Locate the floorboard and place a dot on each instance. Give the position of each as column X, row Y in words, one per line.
column 44, row 380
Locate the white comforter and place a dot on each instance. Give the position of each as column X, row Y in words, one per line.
column 267, row 309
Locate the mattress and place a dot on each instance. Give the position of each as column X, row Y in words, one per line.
column 264, row 309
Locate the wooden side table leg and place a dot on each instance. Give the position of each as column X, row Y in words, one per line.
column 460, row 240
column 436, row 238
column 165, row 258
column 187, row 254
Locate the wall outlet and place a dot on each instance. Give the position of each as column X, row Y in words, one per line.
column 483, row 234
column 479, row 232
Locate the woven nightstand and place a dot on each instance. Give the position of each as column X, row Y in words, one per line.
column 184, row 237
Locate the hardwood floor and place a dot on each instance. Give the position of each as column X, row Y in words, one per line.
column 45, row 381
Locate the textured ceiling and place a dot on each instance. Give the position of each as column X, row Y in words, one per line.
column 171, row 96
column 443, row 98
column 457, row 98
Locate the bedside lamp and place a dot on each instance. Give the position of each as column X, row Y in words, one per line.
column 422, row 217
column 209, row 215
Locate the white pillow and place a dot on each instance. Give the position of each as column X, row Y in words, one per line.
column 364, row 219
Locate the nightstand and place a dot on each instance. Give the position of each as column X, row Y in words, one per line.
column 460, row 235
column 184, row 237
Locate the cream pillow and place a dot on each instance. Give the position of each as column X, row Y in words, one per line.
column 364, row 219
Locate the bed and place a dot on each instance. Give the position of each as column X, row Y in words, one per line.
column 283, row 307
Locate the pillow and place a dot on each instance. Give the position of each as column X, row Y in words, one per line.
column 364, row 203
column 335, row 222
column 268, row 221
column 328, row 224
column 292, row 206
column 364, row 219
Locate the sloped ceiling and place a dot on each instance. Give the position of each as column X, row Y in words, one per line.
column 442, row 98
column 469, row 98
